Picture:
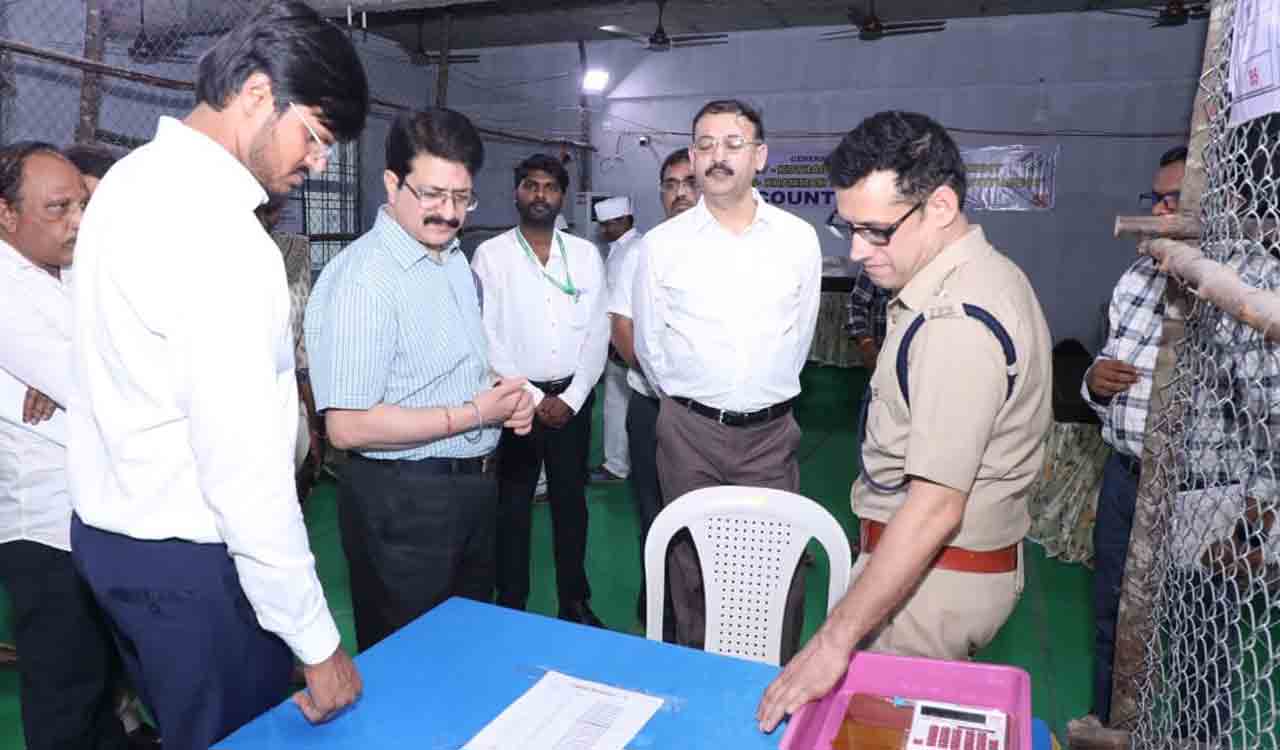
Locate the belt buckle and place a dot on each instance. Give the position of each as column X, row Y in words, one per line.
column 720, row 417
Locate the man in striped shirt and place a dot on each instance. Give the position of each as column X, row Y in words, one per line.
column 399, row 368
column 1118, row 387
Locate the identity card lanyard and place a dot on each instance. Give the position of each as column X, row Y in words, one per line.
column 567, row 285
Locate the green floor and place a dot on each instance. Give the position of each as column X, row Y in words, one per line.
column 1049, row 634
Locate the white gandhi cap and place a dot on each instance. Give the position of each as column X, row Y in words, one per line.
column 613, row 208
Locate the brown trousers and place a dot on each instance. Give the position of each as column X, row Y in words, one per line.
column 696, row 452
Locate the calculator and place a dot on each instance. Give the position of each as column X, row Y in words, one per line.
column 946, row 726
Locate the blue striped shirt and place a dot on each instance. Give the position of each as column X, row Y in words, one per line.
column 386, row 323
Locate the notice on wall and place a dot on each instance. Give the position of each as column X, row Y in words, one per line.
column 1255, row 60
column 1011, row 178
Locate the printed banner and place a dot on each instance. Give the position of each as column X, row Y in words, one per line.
column 1001, row 178
column 1010, row 178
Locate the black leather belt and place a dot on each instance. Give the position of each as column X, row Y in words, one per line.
column 553, row 387
column 476, row 465
column 1131, row 464
column 736, row 418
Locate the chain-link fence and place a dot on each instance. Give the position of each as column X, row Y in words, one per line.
column 1206, row 551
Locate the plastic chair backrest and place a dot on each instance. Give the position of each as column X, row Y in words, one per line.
column 749, row 541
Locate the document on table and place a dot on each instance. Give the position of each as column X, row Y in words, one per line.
column 564, row 713
column 12, row 394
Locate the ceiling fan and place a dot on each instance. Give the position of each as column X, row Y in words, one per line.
column 660, row 41
column 1170, row 13
column 868, row 27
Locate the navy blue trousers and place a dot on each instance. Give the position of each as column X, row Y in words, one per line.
column 188, row 636
column 1111, row 530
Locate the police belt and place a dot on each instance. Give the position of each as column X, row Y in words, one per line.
column 957, row 559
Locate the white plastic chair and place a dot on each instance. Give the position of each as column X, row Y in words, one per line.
column 749, row 540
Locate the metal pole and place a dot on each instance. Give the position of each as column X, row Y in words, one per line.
column 90, row 82
column 442, row 74
column 584, row 121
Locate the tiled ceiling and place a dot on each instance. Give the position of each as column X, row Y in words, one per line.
column 491, row 23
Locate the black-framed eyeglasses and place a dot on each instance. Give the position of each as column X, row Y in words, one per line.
column 1155, row 198
column 879, row 236
column 428, row 197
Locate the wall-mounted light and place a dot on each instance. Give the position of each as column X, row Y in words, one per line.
column 595, row 80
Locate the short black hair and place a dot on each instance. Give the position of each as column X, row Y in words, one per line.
column 914, row 147
column 679, row 156
column 1173, row 156
column 92, row 161
column 13, row 161
column 543, row 163
column 309, row 60
column 732, row 107
column 440, row 132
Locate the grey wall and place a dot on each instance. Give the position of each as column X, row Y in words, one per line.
column 1101, row 73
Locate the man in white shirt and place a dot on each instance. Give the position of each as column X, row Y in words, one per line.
column 679, row 192
column 183, row 414
column 617, row 227
column 725, row 302
column 67, row 661
column 544, row 313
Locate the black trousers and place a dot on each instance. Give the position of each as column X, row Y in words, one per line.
column 413, row 538
column 188, row 636
column 565, row 453
column 67, row 665
column 642, row 443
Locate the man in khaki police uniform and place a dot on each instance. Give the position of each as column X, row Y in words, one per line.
column 943, row 492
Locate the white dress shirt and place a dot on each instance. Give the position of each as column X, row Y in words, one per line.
column 534, row 328
column 620, row 305
column 184, row 412
column 35, row 350
column 727, row 319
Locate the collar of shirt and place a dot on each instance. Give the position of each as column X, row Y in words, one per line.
column 916, row 294
column 12, row 260
column 704, row 218
column 210, row 159
column 631, row 236
column 404, row 248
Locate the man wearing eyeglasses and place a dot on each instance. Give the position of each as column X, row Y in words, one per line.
column 400, row 370
column 1118, row 387
column 953, row 447
column 183, row 412
column 726, row 301
column 678, row 190
column 544, row 312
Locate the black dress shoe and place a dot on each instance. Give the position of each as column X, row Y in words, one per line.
column 581, row 613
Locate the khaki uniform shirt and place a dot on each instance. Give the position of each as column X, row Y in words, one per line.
column 962, row 429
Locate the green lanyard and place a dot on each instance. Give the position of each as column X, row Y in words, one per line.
column 567, row 285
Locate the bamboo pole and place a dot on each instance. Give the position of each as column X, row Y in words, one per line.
column 1211, row 280
column 90, row 82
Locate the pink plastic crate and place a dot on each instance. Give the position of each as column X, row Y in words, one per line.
column 1006, row 689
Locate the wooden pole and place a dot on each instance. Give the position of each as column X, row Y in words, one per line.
column 442, row 72
column 91, row 82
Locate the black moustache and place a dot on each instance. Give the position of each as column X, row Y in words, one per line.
column 720, row 168
column 451, row 223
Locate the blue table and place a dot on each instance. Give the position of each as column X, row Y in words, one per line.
column 437, row 682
